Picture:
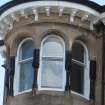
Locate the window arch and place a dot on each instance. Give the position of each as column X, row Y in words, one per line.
column 51, row 73
column 24, row 72
column 80, row 82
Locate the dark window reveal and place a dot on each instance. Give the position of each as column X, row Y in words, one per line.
column 78, row 52
column 77, row 78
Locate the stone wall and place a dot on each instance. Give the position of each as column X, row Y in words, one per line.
column 49, row 99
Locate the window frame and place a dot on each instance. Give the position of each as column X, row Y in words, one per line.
column 84, row 64
column 17, row 68
column 40, row 67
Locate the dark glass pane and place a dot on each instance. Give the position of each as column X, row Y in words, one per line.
column 26, row 76
column 77, row 78
column 78, row 52
column 27, row 50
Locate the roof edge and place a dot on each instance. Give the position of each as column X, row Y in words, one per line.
column 87, row 3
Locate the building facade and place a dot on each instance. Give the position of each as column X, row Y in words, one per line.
column 54, row 55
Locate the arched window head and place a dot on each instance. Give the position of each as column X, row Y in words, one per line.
column 24, row 54
column 78, row 52
column 80, row 70
column 52, row 61
column 24, row 71
column 51, row 46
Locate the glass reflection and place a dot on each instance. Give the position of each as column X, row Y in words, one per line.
column 52, row 74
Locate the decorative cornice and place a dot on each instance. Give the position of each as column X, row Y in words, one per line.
column 73, row 14
column 23, row 13
column 24, row 8
column 61, row 9
column 35, row 12
column 87, row 3
column 47, row 9
column 85, row 16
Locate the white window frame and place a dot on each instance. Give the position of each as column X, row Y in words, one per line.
column 40, row 67
column 86, row 64
column 17, row 69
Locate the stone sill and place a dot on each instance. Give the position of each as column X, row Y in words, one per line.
column 52, row 93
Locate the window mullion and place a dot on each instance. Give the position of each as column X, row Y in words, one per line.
column 52, row 58
column 25, row 60
column 78, row 62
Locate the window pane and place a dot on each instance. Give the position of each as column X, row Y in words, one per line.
column 78, row 52
column 77, row 78
column 27, row 49
column 26, row 76
column 52, row 74
column 52, row 48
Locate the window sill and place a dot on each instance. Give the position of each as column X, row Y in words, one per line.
column 79, row 96
column 23, row 92
column 47, row 92
column 41, row 92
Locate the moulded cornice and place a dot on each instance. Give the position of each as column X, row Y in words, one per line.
column 24, row 9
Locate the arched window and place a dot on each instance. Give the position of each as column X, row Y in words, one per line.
column 52, row 64
column 80, row 69
column 24, row 72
